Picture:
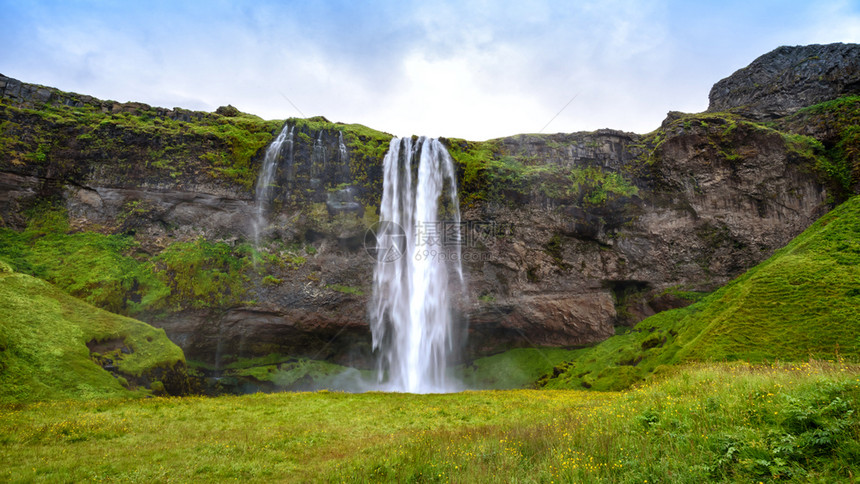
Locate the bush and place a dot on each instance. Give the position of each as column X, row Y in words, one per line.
column 157, row 388
column 228, row 111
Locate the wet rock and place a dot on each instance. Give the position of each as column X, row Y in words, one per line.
column 343, row 201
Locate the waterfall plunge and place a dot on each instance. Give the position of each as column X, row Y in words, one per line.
column 410, row 313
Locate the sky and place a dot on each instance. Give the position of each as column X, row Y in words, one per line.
column 465, row 69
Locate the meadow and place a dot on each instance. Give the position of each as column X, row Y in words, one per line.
column 725, row 422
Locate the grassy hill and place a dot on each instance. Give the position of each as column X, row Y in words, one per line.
column 803, row 302
column 46, row 337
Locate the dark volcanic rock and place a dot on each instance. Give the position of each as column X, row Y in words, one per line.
column 789, row 78
column 219, row 337
column 552, row 319
column 715, row 198
column 181, row 211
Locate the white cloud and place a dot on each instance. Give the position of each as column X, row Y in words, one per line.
column 835, row 22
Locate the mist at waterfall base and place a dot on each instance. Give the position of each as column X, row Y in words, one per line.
column 417, row 270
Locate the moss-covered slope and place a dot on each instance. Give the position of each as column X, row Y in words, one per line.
column 836, row 124
column 111, row 271
column 802, row 302
column 44, row 353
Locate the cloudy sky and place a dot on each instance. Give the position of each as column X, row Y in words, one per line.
column 469, row 69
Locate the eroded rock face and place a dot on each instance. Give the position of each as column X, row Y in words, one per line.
column 789, row 78
column 178, row 211
column 701, row 216
column 548, row 264
column 216, row 337
column 551, row 319
column 15, row 188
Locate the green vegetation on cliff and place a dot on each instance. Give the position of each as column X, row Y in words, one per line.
column 837, row 124
column 135, row 138
column 803, row 302
column 44, row 334
column 111, row 271
column 712, row 136
column 825, row 137
column 367, row 142
column 366, row 148
column 95, row 267
column 487, row 172
column 202, row 274
column 136, row 144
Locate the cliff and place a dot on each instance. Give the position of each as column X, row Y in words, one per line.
column 789, row 78
column 568, row 236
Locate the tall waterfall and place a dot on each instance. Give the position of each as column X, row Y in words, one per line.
column 266, row 178
column 410, row 312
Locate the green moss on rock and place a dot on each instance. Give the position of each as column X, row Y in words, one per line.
column 836, row 124
column 202, row 274
column 108, row 271
column 139, row 140
column 43, row 345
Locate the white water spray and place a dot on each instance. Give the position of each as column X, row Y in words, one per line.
column 265, row 180
column 410, row 312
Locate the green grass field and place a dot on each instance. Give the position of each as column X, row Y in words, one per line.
column 704, row 423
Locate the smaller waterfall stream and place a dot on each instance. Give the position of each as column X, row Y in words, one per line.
column 343, row 156
column 318, row 157
column 266, row 178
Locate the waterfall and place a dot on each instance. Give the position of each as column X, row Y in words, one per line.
column 265, row 179
column 318, row 157
column 410, row 313
column 343, row 157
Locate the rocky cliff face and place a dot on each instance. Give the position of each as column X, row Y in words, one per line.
column 709, row 197
column 789, row 78
column 567, row 236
